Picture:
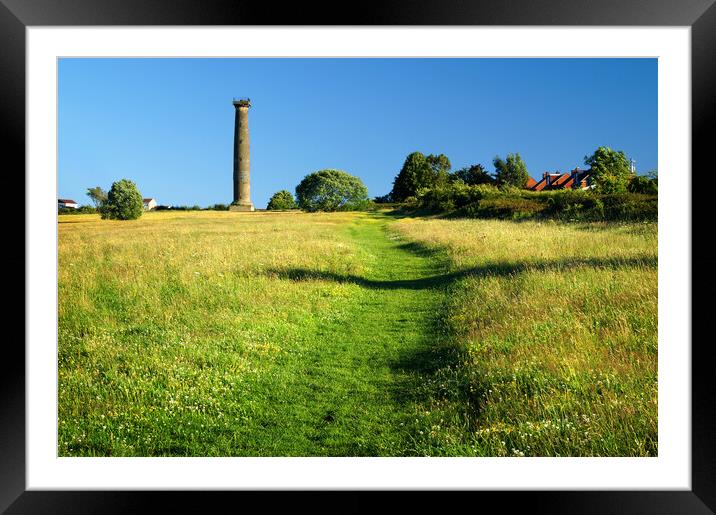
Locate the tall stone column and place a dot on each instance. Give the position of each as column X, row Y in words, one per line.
column 242, row 177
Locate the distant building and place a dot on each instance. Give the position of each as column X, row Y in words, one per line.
column 574, row 180
column 66, row 204
column 149, row 204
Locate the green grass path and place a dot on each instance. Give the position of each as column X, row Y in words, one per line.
column 354, row 391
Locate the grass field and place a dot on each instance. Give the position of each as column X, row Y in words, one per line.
column 355, row 334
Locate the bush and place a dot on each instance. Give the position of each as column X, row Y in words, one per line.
column 383, row 199
column 643, row 185
column 568, row 204
column 281, row 200
column 331, row 190
column 216, row 207
column 410, row 202
column 506, row 207
column 630, row 206
column 124, row 202
column 195, row 207
column 454, row 196
column 486, row 201
column 82, row 210
column 363, row 205
column 611, row 184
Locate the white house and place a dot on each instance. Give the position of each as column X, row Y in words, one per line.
column 149, row 204
column 66, row 203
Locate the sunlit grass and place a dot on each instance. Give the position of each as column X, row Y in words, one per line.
column 163, row 321
column 556, row 326
column 291, row 334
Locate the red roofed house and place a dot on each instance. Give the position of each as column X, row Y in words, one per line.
column 149, row 204
column 576, row 179
column 66, row 203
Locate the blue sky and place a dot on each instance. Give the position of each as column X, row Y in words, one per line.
column 167, row 124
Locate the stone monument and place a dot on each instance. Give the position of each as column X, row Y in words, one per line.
column 242, row 178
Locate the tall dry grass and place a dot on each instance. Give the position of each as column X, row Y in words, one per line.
column 556, row 326
column 163, row 321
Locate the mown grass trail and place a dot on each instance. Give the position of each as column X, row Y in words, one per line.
column 354, row 390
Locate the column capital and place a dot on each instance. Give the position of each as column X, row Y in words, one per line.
column 242, row 102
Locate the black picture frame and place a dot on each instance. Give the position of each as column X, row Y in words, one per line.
column 700, row 15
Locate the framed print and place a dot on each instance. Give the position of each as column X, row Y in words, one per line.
column 125, row 374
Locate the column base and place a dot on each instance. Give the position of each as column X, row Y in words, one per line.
column 242, row 206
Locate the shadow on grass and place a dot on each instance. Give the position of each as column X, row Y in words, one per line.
column 419, row 249
column 432, row 371
column 497, row 269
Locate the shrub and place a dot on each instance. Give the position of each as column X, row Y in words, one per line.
column 506, row 207
column 216, row 207
column 383, row 199
column 124, row 202
column 633, row 207
column 641, row 184
column 569, row 204
column 331, row 190
column 454, row 196
column 410, row 202
column 486, row 201
column 611, row 184
column 82, row 210
column 281, row 200
column 363, row 205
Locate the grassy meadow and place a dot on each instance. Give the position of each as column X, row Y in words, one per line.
column 555, row 331
column 355, row 334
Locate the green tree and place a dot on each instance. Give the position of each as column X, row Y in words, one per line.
column 331, row 190
column 440, row 166
column 415, row 174
column 511, row 171
column 473, row 175
column 281, row 200
column 610, row 170
column 124, row 202
column 97, row 195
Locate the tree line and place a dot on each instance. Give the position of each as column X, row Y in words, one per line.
column 610, row 171
column 337, row 190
